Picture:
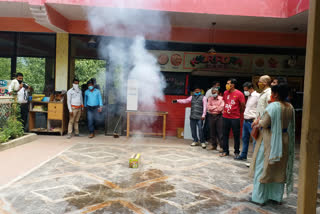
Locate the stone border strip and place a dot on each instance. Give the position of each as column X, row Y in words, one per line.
column 27, row 138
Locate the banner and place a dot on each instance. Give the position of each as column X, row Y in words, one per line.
column 279, row 64
column 178, row 61
column 169, row 60
column 4, row 84
column 218, row 62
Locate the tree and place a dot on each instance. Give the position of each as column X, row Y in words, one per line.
column 5, row 68
column 33, row 70
column 85, row 69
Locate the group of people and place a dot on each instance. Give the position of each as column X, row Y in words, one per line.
column 268, row 112
column 92, row 102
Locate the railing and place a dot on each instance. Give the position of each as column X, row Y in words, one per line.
column 5, row 109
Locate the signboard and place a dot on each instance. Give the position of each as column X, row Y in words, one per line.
column 218, row 62
column 177, row 61
column 278, row 64
column 169, row 60
column 4, row 84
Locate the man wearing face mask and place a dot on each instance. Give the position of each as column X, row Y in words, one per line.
column 198, row 114
column 75, row 107
column 21, row 89
column 215, row 109
column 93, row 103
column 234, row 104
column 249, row 116
column 264, row 85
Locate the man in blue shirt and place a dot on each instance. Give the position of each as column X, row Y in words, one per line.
column 93, row 103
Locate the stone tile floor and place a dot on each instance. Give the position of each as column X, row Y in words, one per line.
column 93, row 177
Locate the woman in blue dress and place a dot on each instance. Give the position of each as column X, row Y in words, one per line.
column 273, row 157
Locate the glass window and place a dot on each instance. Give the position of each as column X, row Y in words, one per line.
column 5, row 68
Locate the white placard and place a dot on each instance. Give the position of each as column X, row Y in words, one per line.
column 132, row 95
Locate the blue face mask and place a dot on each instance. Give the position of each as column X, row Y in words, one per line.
column 197, row 94
column 90, row 87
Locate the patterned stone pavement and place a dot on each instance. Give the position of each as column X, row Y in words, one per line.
column 93, row 177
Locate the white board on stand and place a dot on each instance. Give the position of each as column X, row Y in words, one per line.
column 187, row 130
column 132, row 95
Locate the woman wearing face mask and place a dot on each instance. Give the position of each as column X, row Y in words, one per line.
column 215, row 110
column 75, row 106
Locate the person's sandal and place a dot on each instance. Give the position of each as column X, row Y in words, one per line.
column 224, row 154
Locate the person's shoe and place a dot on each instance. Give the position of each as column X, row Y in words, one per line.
column 203, row 145
column 240, row 158
column 247, row 165
column 194, row 144
column 236, row 156
column 91, row 135
column 77, row 135
column 211, row 147
column 275, row 202
column 69, row 136
column 224, row 154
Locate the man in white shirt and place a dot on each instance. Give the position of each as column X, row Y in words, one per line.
column 264, row 85
column 75, row 106
column 215, row 84
column 249, row 116
column 19, row 88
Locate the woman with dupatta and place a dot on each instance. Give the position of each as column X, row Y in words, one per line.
column 273, row 157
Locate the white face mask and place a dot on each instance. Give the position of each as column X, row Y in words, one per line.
column 246, row 93
column 214, row 95
column 75, row 86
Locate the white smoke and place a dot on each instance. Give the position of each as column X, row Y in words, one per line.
column 126, row 50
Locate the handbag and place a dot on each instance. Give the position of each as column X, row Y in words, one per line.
column 255, row 132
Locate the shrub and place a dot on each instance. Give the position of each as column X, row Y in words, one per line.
column 13, row 128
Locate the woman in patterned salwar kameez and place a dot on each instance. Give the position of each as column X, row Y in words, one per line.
column 272, row 164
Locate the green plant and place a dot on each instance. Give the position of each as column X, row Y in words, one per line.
column 13, row 127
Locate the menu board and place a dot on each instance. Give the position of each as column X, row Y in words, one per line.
column 175, row 83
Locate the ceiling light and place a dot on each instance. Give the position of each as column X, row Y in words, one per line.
column 212, row 51
column 92, row 43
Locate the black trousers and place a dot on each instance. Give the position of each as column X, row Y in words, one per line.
column 206, row 128
column 216, row 127
column 24, row 111
column 233, row 124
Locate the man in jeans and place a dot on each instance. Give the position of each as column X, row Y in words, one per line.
column 234, row 102
column 198, row 114
column 249, row 116
column 215, row 109
column 93, row 103
column 75, row 107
